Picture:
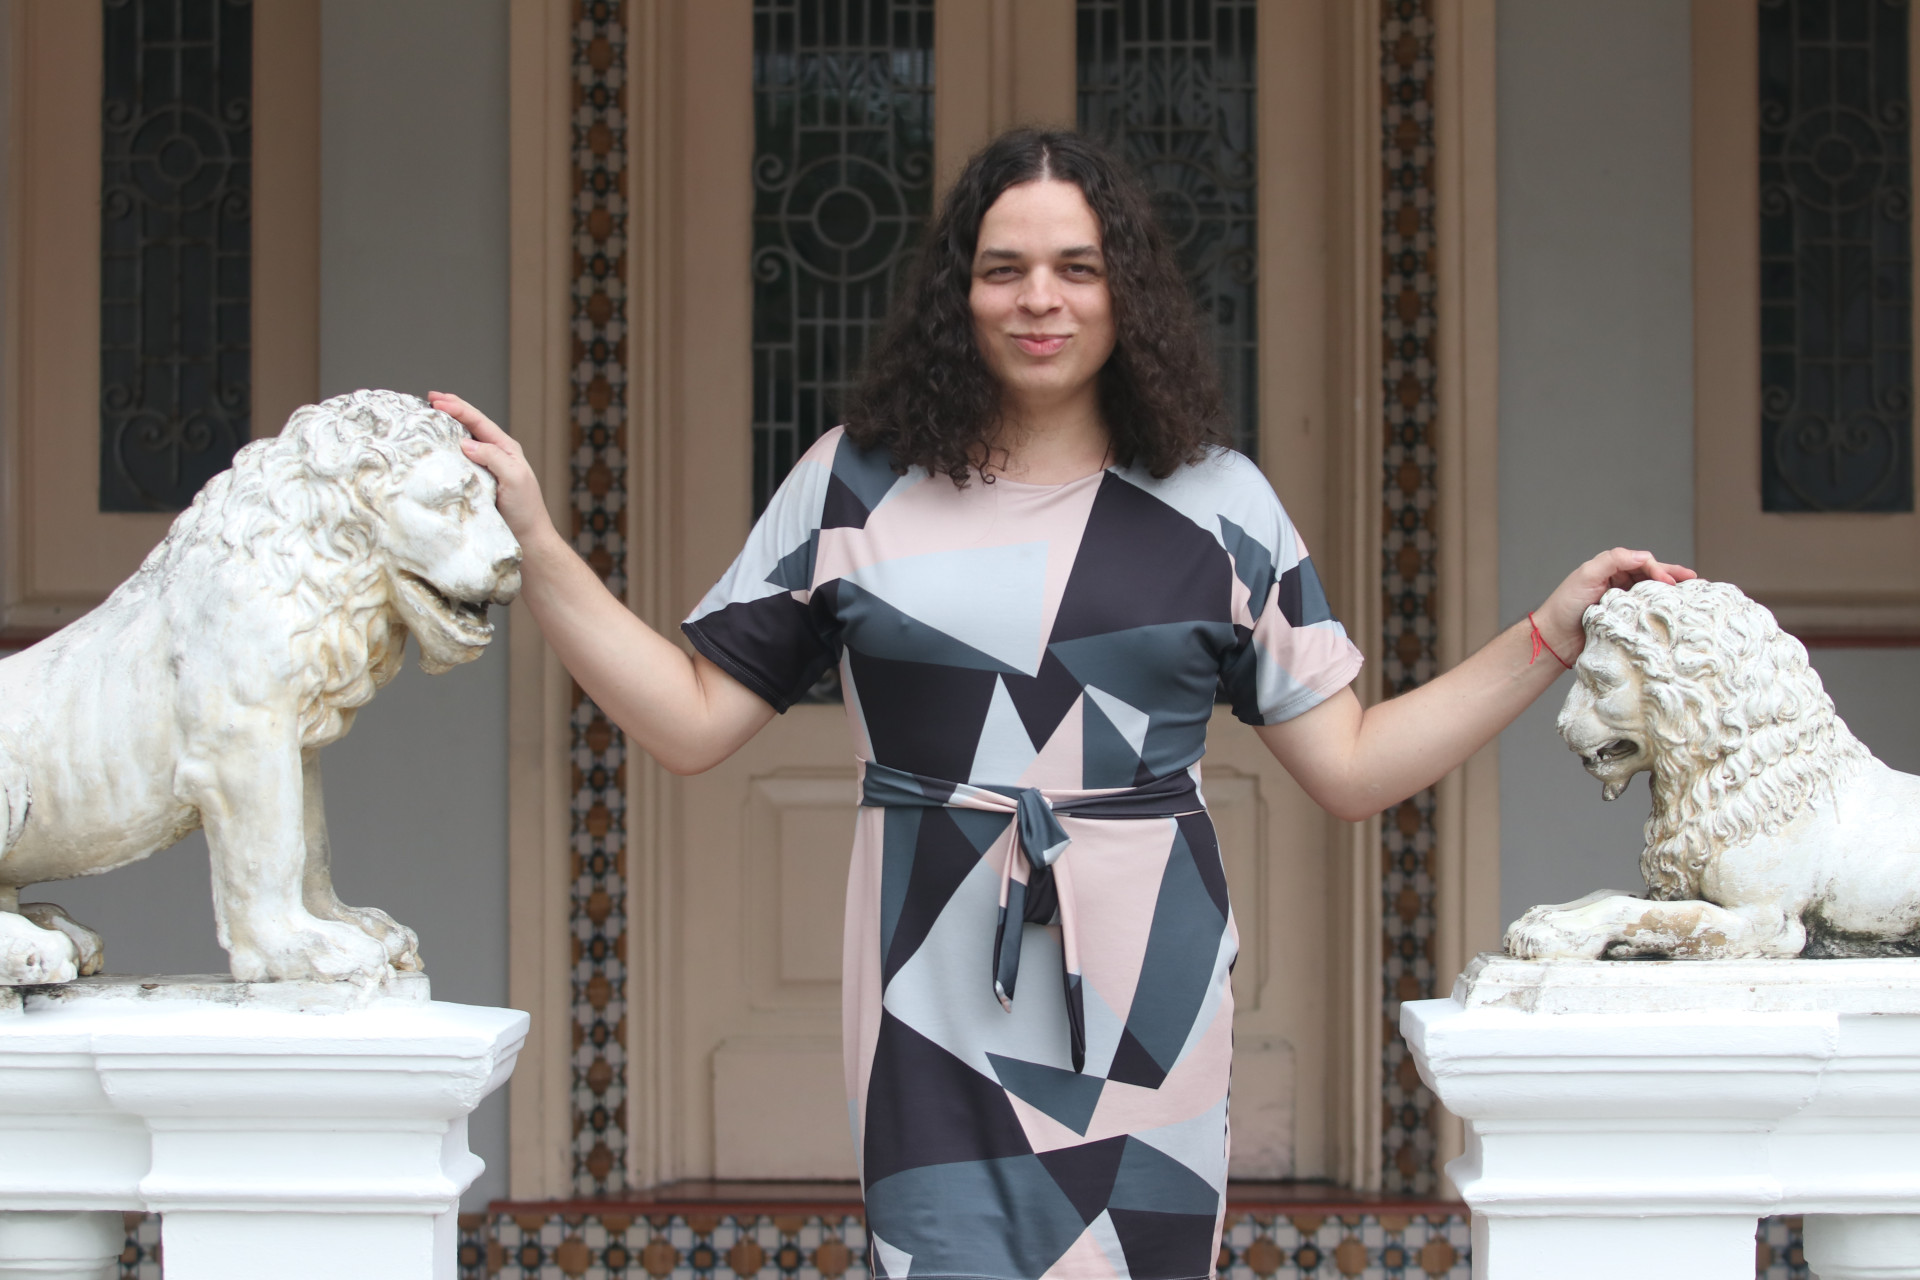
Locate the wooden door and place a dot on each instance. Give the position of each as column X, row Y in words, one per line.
column 737, row 1061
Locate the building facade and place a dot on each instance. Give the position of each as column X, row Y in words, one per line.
column 1487, row 286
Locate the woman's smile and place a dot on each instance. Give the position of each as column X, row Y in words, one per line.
column 1040, row 344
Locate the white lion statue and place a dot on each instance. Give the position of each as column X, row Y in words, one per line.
column 201, row 691
column 1774, row 832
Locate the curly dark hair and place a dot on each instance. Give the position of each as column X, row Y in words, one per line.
column 927, row 395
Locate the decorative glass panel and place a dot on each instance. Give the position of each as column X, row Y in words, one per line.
column 1836, row 294
column 175, row 227
column 1170, row 84
column 842, row 188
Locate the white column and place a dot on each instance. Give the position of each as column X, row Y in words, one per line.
column 61, row 1246
column 1658, row 1110
column 1698, row 1247
column 276, row 1132
column 1863, row 1246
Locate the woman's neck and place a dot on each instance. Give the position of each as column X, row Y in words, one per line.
column 1052, row 447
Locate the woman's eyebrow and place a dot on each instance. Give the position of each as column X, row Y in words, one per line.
column 1013, row 255
column 1081, row 251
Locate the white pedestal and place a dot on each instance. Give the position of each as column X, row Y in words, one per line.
column 298, row 1130
column 1647, row 1114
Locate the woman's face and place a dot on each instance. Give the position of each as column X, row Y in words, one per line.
column 1042, row 315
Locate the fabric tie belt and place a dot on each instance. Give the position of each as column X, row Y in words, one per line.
column 1035, row 884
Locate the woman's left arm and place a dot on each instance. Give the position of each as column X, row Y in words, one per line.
column 1357, row 761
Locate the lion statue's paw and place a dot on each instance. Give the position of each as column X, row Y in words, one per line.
column 401, row 943
column 89, row 945
column 320, row 950
column 1578, row 930
column 31, row 955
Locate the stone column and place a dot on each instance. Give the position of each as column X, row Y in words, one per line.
column 1863, row 1246
column 61, row 1246
column 289, row 1129
column 1655, row 1111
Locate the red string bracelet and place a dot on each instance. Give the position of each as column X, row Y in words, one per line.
column 1540, row 642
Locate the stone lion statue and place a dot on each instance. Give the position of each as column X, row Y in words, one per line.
column 1774, row 832
column 201, row 691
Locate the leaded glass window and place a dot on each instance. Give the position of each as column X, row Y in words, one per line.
column 1170, row 84
column 175, row 231
column 842, row 188
column 1836, row 293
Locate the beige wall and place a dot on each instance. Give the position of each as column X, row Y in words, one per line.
column 1596, row 371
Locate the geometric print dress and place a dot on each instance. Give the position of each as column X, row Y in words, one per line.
column 1036, row 999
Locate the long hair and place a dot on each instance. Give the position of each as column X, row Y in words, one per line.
column 927, row 395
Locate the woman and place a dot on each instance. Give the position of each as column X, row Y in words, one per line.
column 1035, row 565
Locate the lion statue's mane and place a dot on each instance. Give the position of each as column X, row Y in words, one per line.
column 1747, row 735
column 298, row 507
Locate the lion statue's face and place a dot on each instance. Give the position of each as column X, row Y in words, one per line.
column 447, row 554
column 1698, row 686
column 1604, row 719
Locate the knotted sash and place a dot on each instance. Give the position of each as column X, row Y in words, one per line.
column 1036, row 881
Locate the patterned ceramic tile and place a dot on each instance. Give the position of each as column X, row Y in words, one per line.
column 608, row 1246
column 1257, row 1246
column 140, row 1260
column 1779, row 1255
column 1369, row 1247
column 1407, row 560
column 598, row 492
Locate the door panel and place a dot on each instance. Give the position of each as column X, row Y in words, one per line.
column 764, row 875
column 1274, row 842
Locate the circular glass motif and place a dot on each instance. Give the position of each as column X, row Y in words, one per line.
column 179, row 157
column 844, row 217
column 1834, row 158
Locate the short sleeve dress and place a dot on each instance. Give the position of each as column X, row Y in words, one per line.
column 1036, row 1004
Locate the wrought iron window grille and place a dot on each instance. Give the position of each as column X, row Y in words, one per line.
column 1170, row 85
column 1836, row 257
column 175, row 247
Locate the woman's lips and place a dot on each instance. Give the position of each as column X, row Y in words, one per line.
column 1040, row 344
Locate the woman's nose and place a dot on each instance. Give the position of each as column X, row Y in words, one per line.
column 1041, row 294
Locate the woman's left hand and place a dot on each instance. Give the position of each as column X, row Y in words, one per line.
column 1559, row 618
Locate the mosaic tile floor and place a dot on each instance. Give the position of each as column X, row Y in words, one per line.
column 606, row 1245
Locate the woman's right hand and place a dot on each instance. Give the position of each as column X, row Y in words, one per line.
column 518, row 495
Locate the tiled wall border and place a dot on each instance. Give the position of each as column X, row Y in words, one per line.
column 598, row 422
column 1408, row 548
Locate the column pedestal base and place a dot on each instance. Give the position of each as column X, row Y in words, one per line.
column 61, row 1246
column 1648, row 1114
column 1863, row 1247
column 287, row 1129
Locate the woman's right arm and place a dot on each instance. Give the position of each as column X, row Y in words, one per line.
column 681, row 708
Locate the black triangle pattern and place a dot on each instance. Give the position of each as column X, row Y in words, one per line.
column 943, row 857
column 925, row 1106
column 1086, row 1173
